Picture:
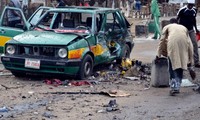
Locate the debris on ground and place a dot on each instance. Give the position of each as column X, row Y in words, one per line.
column 48, row 115
column 54, row 82
column 79, row 83
column 187, row 83
column 4, row 109
column 110, row 107
column 57, row 82
column 31, row 92
column 197, row 88
column 129, row 69
column 132, row 78
column 12, row 87
column 5, row 72
column 117, row 93
column 111, row 93
column 126, row 64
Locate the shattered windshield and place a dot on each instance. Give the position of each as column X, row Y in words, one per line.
column 66, row 22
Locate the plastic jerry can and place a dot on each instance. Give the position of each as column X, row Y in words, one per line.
column 160, row 73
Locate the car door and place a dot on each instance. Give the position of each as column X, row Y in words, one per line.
column 35, row 17
column 115, row 26
column 115, row 33
column 102, row 53
column 6, row 32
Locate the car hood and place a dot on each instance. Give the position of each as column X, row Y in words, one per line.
column 44, row 37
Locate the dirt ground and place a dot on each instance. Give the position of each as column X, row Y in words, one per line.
column 33, row 99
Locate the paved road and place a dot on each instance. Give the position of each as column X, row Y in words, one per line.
column 144, row 49
column 156, row 104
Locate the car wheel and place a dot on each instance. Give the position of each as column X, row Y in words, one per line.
column 86, row 67
column 126, row 54
column 18, row 74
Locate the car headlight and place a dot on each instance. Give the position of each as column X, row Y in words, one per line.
column 62, row 52
column 10, row 49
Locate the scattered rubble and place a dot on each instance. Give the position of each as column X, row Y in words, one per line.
column 48, row 115
column 5, row 72
column 114, row 74
column 110, row 107
column 197, row 88
column 4, row 109
column 129, row 69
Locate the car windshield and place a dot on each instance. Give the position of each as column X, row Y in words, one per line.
column 66, row 22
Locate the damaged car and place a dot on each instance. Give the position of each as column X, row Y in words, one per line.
column 70, row 41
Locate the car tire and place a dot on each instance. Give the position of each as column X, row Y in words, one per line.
column 126, row 54
column 86, row 67
column 18, row 74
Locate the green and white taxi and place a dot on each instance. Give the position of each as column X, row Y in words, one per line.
column 69, row 41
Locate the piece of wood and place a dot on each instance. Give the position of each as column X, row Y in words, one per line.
column 12, row 87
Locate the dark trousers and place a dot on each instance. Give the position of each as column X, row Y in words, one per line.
column 195, row 46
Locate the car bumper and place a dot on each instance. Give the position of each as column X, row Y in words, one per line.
column 47, row 66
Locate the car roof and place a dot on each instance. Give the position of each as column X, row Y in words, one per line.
column 83, row 9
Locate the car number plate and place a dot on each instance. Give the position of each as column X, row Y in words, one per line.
column 32, row 63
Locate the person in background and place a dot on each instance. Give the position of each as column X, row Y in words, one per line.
column 123, row 6
column 113, row 3
column 84, row 3
column 102, row 3
column 155, row 11
column 137, row 8
column 25, row 7
column 13, row 16
column 60, row 3
column 58, row 21
column 130, row 4
column 186, row 16
column 177, row 46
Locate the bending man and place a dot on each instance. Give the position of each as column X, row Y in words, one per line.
column 177, row 46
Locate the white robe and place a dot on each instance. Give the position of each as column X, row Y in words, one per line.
column 175, row 43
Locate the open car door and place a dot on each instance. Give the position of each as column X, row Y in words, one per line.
column 7, row 32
